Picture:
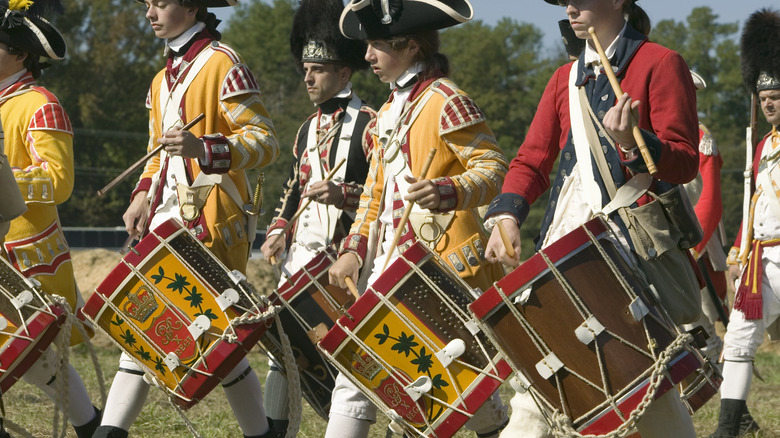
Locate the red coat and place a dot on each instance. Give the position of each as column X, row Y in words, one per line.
column 654, row 75
column 709, row 207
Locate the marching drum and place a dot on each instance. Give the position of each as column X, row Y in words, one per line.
column 178, row 311
column 413, row 349
column 309, row 307
column 29, row 322
column 575, row 322
column 698, row 388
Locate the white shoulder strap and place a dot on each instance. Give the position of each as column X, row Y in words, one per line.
column 580, row 139
column 170, row 99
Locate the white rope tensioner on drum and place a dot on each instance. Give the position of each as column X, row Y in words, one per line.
column 293, row 381
column 562, row 426
column 62, row 375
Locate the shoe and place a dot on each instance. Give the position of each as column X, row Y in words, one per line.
column 747, row 425
column 730, row 418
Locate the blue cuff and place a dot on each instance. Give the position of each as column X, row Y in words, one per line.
column 509, row 203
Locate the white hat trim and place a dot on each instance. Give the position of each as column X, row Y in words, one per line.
column 42, row 38
column 435, row 3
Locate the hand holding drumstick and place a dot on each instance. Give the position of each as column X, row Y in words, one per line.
column 504, row 243
column 408, row 210
column 146, row 157
column 277, row 249
column 621, row 119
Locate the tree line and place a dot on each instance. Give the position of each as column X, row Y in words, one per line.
column 113, row 55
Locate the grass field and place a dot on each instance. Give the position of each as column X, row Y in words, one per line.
column 27, row 406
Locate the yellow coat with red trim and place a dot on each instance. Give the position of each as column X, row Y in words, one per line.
column 239, row 135
column 468, row 169
column 39, row 146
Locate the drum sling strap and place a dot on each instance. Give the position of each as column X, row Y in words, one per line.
column 585, row 141
column 329, row 214
column 192, row 196
column 667, row 268
column 420, row 219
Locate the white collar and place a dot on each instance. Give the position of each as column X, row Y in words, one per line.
column 10, row 80
column 180, row 41
column 343, row 94
column 592, row 56
column 406, row 76
column 346, row 92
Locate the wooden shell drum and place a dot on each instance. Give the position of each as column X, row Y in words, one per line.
column 309, row 307
column 29, row 322
column 698, row 388
column 575, row 323
column 413, row 349
column 178, row 311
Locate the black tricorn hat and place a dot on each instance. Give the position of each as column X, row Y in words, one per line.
column 382, row 19
column 210, row 3
column 23, row 27
column 315, row 36
column 574, row 45
column 760, row 51
column 558, row 2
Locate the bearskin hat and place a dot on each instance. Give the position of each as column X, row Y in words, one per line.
column 22, row 26
column 315, row 36
column 760, row 51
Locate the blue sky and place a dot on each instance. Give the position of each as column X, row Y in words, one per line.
column 545, row 16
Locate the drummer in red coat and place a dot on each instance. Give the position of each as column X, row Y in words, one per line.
column 659, row 88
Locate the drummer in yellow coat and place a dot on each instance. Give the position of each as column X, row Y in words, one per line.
column 425, row 110
column 39, row 145
column 199, row 179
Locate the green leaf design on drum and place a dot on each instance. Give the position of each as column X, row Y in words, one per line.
column 143, row 354
column 195, row 298
column 159, row 277
column 128, row 337
column 423, row 361
column 179, row 284
column 159, row 365
column 405, row 344
column 211, row 315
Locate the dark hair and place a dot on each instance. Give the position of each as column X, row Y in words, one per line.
column 31, row 62
column 428, row 55
column 208, row 18
column 637, row 17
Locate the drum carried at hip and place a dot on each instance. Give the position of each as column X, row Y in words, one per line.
column 575, row 322
column 411, row 346
column 179, row 312
column 29, row 322
column 308, row 307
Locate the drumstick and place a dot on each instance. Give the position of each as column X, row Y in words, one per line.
column 640, row 140
column 143, row 160
column 308, row 200
column 351, row 286
column 408, row 209
column 510, row 250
